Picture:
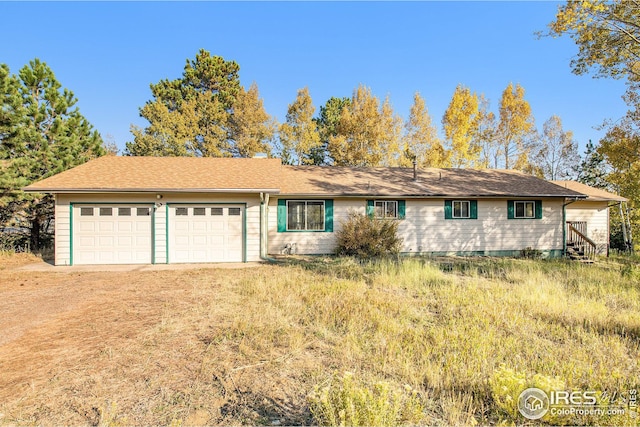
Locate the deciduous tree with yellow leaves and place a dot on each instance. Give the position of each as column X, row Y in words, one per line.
column 516, row 128
column 299, row 134
column 251, row 128
column 367, row 133
column 460, row 123
column 420, row 140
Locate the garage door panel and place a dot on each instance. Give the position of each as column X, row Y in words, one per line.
column 88, row 227
column 106, row 226
column 119, row 238
column 143, row 227
column 125, row 227
column 205, row 237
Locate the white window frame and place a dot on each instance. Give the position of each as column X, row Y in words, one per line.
column 524, row 202
column 306, row 226
column 385, row 203
column 453, row 209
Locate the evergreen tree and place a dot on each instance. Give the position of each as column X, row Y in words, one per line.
column 327, row 123
column 41, row 134
column 190, row 115
column 592, row 169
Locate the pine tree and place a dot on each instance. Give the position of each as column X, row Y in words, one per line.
column 41, row 134
column 327, row 123
column 592, row 169
column 190, row 115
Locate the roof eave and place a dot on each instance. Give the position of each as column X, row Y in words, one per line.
column 150, row 190
column 433, row 196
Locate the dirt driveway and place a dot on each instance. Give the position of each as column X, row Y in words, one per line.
column 67, row 339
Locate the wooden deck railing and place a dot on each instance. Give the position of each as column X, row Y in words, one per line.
column 581, row 241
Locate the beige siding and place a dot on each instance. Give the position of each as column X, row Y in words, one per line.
column 62, row 223
column 310, row 242
column 424, row 230
column 596, row 215
column 62, row 243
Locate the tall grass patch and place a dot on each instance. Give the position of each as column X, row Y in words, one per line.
column 446, row 331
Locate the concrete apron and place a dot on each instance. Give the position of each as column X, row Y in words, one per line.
column 50, row 268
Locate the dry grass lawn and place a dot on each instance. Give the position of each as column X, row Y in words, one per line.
column 213, row 346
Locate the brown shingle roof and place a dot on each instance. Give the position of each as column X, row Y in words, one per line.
column 593, row 194
column 350, row 181
column 191, row 174
column 114, row 173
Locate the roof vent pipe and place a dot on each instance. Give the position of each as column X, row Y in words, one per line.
column 415, row 171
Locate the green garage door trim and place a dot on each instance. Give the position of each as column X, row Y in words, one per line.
column 244, row 223
column 153, row 222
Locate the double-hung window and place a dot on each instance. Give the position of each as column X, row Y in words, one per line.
column 305, row 215
column 460, row 209
column 524, row 209
column 386, row 209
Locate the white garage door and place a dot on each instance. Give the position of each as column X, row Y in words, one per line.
column 112, row 234
column 205, row 233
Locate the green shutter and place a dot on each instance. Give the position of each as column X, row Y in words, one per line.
column 473, row 207
column 402, row 207
column 510, row 209
column 538, row 207
column 448, row 209
column 370, row 210
column 328, row 215
column 282, row 215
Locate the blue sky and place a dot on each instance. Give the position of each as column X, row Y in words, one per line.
column 108, row 53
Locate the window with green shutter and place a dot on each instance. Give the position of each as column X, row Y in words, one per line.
column 386, row 209
column 305, row 215
column 524, row 209
column 460, row 209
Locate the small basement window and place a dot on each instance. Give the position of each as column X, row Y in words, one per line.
column 86, row 211
column 124, row 211
column 199, row 211
column 143, row 211
column 106, row 211
column 234, row 211
column 217, row 211
column 182, row 211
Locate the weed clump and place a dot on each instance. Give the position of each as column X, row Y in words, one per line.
column 346, row 401
column 366, row 237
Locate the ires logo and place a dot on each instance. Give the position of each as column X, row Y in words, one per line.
column 534, row 403
column 574, row 398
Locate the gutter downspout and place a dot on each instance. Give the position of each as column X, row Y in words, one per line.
column 264, row 228
column 564, row 226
